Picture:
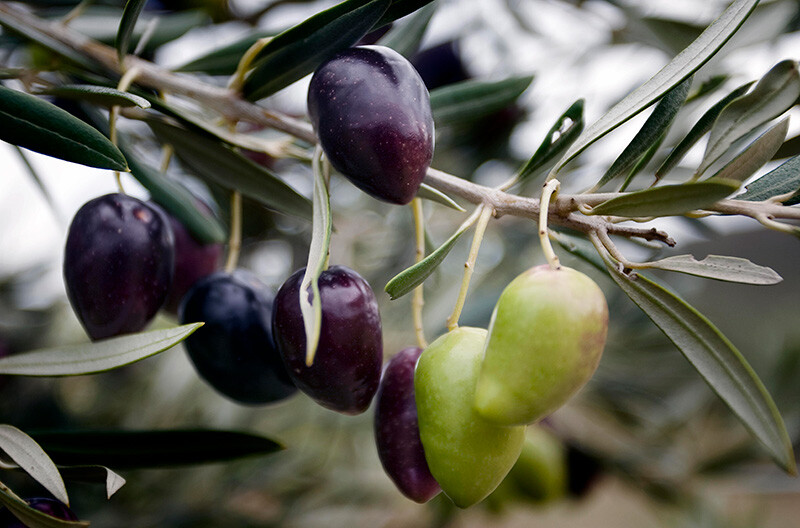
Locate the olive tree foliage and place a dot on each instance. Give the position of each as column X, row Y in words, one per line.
column 202, row 124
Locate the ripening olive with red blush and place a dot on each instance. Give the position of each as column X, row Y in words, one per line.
column 397, row 429
column 234, row 351
column 372, row 114
column 347, row 367
column 118, row 264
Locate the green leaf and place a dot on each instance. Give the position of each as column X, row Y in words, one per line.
column 31, row 517
column 405, row 39
column 673, row 34
column 224, row 60
column 720, row 364
column 296, row 52
column 426, row 192
column 667, row 200
column 756, row 155
column 35, row 124
column 126, row 24
column 28, row 455
column 708, row 86
column 654, row 128
column 413, row 276
column 698, row 130
column 642, row 162
column 399, row 9
column 151, row 449
column 561, row 135
column 100, row 356
column 468, row 101
column 213, row 161
column 782, row 180
column 100, row 95
column 675, row 72
column 774, row 94
column 310, row 299
column 730, row 269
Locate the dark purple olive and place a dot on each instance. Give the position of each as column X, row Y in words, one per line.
column 440, row 65
column 372, row 114
column 347, row 366
column 51, row 507
column 118, row 264
column 397, row 429
column 234, row 351
column 193, row 261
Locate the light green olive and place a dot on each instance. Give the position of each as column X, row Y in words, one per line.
column 546, row 337
column 540, row 473
column 467, row 455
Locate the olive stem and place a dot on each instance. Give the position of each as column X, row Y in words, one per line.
column 549, row 191
column 124, row 84
column 418, row 300
column 166, row 157
column 237, row 79
column 235, row 238
column 486, row 213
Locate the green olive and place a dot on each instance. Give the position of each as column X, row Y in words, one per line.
column 467, row 455
column 546, row 337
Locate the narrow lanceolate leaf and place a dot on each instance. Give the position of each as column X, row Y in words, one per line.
column 35, row 124
column 654, row 128
column 213, row 161
column 678, row 69
column 224, row 60
column 94, row 474
column 774, row 94
column 730, row 269
column 28, row 455
column 426, row 192
column 699, row 130
column 151, row 449
column 561, row 135
column 783, row 180
column 310, row 300
column 408, row 279
column 720, row 364
column 405, row 39
column 642, row 162
column 31, row 517
column 126, row 24
column 668, row 199
column 100, row 356
column 468, row 101
column 756, row 154
column 297, row 51
column 399, row 9
column 100, row 95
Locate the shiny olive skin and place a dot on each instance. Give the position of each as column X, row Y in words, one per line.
column 372, row 114
column 234, row 351
column 347, row 367
column 397, row 430
column 546, row 338
column 51, row 507
column 193, row 261
column 118, row 264
column 468, row 456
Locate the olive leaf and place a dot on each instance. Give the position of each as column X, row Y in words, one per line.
column 667, row 200
column 293, row 54
column 470, row 100
column 100, row 95
column 139, row 449
column 100, row 356
column 678, row 69
column 31, row 517
column 35, row 124
column 561, row 135
column 758, row 153
column 653, row 130
column 781, row 181
column 426, row 192
column 730, row 269
column 399, row 9
column 700, row 128
column 716, row 359
column 94, row 473
column 405, row 39
column 126, row 24
column 773, row 95
column 28, row 455
column 310, row 299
